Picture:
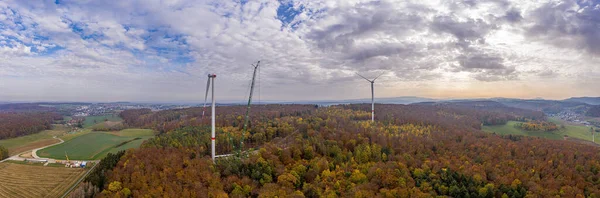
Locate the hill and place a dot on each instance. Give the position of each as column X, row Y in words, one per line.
column 594, row 111
column 25, row 107
column 587, row 100
column 547, row 106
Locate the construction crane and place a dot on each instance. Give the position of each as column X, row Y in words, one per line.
column 247, row 119
column 68, row 164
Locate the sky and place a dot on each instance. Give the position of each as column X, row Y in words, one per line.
column 161, row 50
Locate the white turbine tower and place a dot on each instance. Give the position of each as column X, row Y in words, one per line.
column 212, row 135
column 372, row 96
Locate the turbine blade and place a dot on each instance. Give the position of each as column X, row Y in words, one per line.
column 205, row 97
column 255, row 66
column 363, row 77
column 379, row 76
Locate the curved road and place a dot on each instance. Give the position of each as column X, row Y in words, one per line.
column 34, row 153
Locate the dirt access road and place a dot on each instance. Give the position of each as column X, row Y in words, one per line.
column 18, row 157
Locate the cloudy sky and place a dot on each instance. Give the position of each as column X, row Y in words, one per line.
column 150, row 50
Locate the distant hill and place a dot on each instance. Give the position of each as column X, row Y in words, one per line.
column 594, row 111
column 394, row 100
column 24, row 107
column 587, row 100
column 547, row 106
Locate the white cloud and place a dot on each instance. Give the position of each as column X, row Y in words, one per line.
column 161, row 50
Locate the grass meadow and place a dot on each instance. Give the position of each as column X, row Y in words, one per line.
column 92, row 120
column 573, row 131
column 28, row 142
column 95, row 145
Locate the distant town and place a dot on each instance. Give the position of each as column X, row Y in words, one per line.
column 96, row 109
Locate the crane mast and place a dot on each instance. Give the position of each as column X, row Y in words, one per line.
column 247, row 119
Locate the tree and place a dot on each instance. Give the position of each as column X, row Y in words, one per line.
column 3, row 152
column 25, row 123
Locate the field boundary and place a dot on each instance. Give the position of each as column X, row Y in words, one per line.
column 80, row 180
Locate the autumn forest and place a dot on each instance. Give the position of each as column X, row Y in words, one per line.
column 419, row 150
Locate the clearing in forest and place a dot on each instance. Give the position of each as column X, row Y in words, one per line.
column 572, row 131
column 93, row 120
column 20, row 180
column 95, row 145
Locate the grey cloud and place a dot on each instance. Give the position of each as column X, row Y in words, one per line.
column 373, row 36
column 384, row 50
column 469, row 4
column 547, row 73
column 486, row 67
column 559, row 24
column 480, row 61
column 467, row 32
column 364, row 21
column 513, row 16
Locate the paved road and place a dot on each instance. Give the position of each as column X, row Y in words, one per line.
column 34, row 153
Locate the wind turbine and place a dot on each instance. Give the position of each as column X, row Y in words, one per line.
column 372, row 95
column 212, row 135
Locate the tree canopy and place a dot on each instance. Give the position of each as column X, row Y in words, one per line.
column 410, row 151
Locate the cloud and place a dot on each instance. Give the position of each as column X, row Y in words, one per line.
column 486, row 67
column 513, row 16
column 572, row 24
column 466, row 32
column 162, row 50
column 547, row 73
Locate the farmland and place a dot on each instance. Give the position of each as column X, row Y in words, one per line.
column 95, row 145
column 573, row 131
column 19, row 180
column 28, row 142
column 92, row 120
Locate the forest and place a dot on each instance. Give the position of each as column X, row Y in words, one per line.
column 24, row 123
column 594, row 111
column 25, row 107
column 308, row 151
column 537, row 126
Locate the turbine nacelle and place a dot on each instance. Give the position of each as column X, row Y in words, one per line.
column 371, row 81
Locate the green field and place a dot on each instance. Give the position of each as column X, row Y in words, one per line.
column 579, row 132
column 134, row 132
column 95, row 145
column 28, row 142
column 92, row 120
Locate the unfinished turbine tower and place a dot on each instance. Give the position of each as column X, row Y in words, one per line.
column 211, row 77
column 372, row 96
column 247, row 118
